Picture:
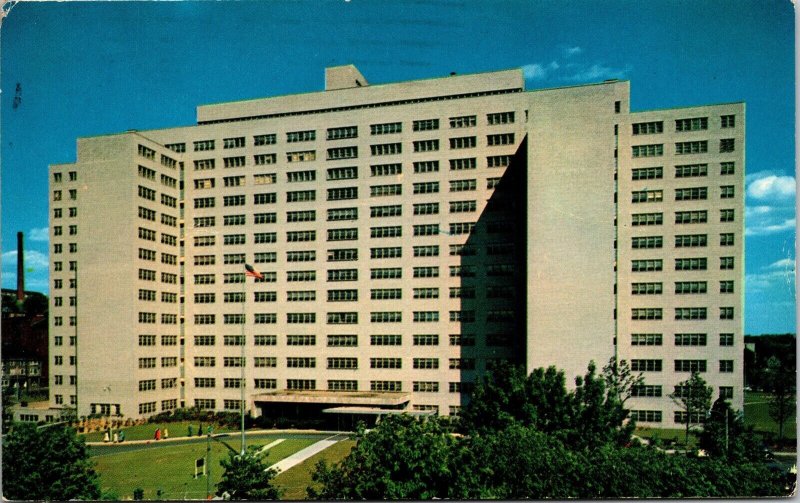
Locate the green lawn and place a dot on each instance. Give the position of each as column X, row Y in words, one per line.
column 146, row 431
column 294, row 481
column 665, row 435
column 170, row 468
column 756, row 414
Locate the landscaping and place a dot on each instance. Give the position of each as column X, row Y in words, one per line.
column 167, row 471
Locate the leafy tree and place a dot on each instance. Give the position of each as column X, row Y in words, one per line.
column 47, row 464
column 779, row 380
column 402, row 458
column 598, row 409
column 246, row 477
column 726, row 436
column 620, row 379
column 693, row 396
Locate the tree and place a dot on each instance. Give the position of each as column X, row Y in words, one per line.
column 35, row 303
column 726, row 436
column 246, row 477
column 49, row 463
column 620, row 379
column 598, row 409
column 402, row 458
column 694, row 397
column 779, row 380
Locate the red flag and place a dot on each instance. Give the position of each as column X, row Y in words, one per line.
column 250, row 271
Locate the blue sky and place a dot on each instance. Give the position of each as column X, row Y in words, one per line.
column 91, row 68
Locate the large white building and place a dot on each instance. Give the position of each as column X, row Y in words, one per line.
column 410, row 235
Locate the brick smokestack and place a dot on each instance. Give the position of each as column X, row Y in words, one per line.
column 20, row 268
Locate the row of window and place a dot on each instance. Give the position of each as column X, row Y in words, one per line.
column 681, row 217
column 690, row 124
column 682, row 194
column 682, row 171
column 687, row 339
column 337, row 318
column 681, row 287
column 681, row 241
column 681, row 313
column 351, row 340
column 726, row 145
column 652, row 365
column 333, row 363
column 681, row 264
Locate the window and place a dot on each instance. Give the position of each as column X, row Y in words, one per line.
column 385, row 294
column 387, row 128
column 340, row 363
column 426, row 166
column 654, row 150
column 385, row 363
column 691, row 147
column 646, row 288
column 463, row 164
column 425, row 125
column 264, row 139
column 344, row 173
column 690, row 287
column 264, row 179
column 690, row 366
column 691, row 313
column 386, row 149
column 204, row 382
column 342, row 341
column 204, row 340
column 265, row 362
column 726, row 313
column 426, row 293
column 393, row 231
column 233, row 239
column 427, row 208
column 342, row 193
column 726, row 239
column 342, row 275
column 691, row 264
column 426, row 316
column 301, row 156
column 265, row 297
column 726, row 263
column 461, row 363
column 386, row 317
column 339, row 133
column 691, row 217
column 426, row 272
column 301, row 256
column 646, row 219
column 647, row 196
column 339, row 214
column 342, row 318
column 648, row 127
column 343, row 234
column 264, row 257
column 388, row 252
column 497, row 161
column 234, row 220
column 296, row 196
column 426, row 251
column 691, row 240
column 425, row 363
column 463, row 121
column 234, row 162
column 386, row 273
column 264, row 159
column 640, row 365
column 646, row 339
column 693, row 124
column 261, row 383
column 727, row 168
column 299, row 136
column 646, row 416
column 690, row 339
column 264, row 218
column 646, row 390
column 727, row 191
column 653, row 173
column 301, row 340
column 386, row 386
column 463, row 185
column 500, row 139
column 494, row 119
column 299, row 236
column 726, row 339
column 204, row 319
column 463, row 142
column 726, row 215
column 727, row 145
column 691, row 194
column 642, row 242
column 426, row 145
column 342, row 153
column 265, row 340
column 646, row 313
column 233, row 181
column 386, row 211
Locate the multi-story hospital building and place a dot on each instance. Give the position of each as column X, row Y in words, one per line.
column 410, row 235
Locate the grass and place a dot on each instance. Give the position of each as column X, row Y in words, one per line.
column 677, row 435
column 147, row 431
column 756, row 414
column 294, row 481
column 170, row 468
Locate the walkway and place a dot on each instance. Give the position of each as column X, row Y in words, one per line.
column 303, row 454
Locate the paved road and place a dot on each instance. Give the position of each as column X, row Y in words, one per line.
column 103, row 449
column 303, row 454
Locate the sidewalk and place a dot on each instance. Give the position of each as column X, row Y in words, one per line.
column 231, row 434
column 303, row 454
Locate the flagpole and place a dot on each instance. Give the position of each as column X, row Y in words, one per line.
column 243, row 341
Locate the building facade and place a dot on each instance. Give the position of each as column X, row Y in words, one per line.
column 410, row 235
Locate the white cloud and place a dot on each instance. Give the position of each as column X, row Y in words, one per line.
column 771, row 187
column 536, row 71
column 778, row 275
column 784, row 264
column 598, row 72
column 35, row 260
column 39, row 234
column 572, row 51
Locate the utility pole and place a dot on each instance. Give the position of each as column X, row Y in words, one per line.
column 243, row 341
column 208, row 464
